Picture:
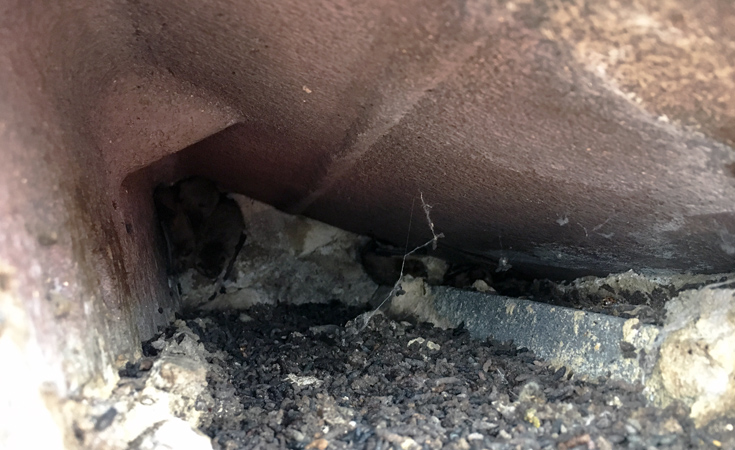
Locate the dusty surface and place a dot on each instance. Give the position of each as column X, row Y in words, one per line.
column 304, row 377
column 346, row 111
column 293, row 260
column 675, row 58
column 158, row 403
column 628, row 294
column 674, row 334
column 285, row 258
column 697, row 362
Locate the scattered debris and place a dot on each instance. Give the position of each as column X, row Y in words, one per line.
column 627, row 295
column 302, row 376
column 161, row 406
column 274, row 361
column 379, row 391
column 303, row 381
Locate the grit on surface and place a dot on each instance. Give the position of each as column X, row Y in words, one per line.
column 306, row 377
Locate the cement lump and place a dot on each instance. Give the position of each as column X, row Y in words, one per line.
column 697, row 357
column 286, row 258
column 627, row 284
column 415, row 300
column 172, row 434
column 160, row 411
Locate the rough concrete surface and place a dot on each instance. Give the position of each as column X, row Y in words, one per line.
column 366, row 385
column 285, row 258
column 566, row 139
column 697, row 361
column 180, row 386
column 689, row 359
column 161, row 411
column 584, row 342
column 27, row 413
column 673, row 58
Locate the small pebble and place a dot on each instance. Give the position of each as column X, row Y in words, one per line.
column 603, row 422
column 145, row 365
column 106, row 419
column 317, row 444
